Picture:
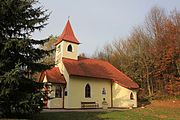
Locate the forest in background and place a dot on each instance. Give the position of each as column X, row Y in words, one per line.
column 150, row 55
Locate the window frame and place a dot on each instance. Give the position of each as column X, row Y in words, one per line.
column 131, row 96
column 70, row 48
column 58, row 91
column 87, row 91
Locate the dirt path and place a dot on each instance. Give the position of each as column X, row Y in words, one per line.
column 165, row 103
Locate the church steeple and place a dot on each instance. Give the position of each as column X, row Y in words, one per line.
column 67, row 35
column 66, row 45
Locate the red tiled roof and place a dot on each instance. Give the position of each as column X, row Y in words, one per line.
column 98, row 69
column 53, row 75
column 67, row 35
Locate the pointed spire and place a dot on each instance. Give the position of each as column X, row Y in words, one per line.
column 67, row 34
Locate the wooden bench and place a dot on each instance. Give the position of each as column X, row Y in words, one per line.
column 89, row 105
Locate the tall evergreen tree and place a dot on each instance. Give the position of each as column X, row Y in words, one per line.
column 19, row 57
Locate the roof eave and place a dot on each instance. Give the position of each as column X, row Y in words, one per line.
column 67, row 41
column 128, row 87
column 89, row 76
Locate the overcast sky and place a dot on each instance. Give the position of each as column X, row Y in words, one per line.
column 98, row 22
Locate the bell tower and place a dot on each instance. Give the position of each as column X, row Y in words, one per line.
column 66, row 45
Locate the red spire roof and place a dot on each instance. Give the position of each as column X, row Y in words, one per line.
column 67, row 35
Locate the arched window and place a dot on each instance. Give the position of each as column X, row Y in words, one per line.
column 87, row 91
column 58, row 92
column 131, row 96
column 69, row 48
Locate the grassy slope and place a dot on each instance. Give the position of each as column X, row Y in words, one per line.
column 151, row 113
column 144, row 114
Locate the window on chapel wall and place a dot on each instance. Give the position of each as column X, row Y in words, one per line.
column 69, row 48
column 87, row 91
column 59, row 48
column 131, row 96
column 58, row 92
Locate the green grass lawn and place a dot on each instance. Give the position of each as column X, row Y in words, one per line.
column 134, row 114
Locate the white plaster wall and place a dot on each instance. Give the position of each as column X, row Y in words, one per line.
column 67, row 54
column 121, row 96
column 54, row 102
column 66, row 76
column 62, row 52
column 77, row 91
column 45, row 79
column 58, row 54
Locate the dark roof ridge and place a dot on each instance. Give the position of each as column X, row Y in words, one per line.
column 85, row 58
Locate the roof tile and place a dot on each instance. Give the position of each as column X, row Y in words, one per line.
column 53, row 75
column 98, row 69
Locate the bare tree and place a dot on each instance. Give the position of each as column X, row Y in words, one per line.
column 151, row 54
column 50, row 60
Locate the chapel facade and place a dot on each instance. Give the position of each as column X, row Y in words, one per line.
column 76, row 82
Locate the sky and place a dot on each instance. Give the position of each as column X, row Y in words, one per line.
column 98, row 22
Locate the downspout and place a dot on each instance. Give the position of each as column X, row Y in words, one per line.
column 63, row 97
column 111, row 95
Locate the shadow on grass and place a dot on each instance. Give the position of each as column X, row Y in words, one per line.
column 16, row 116
column 69, row 116
column 134, row 114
